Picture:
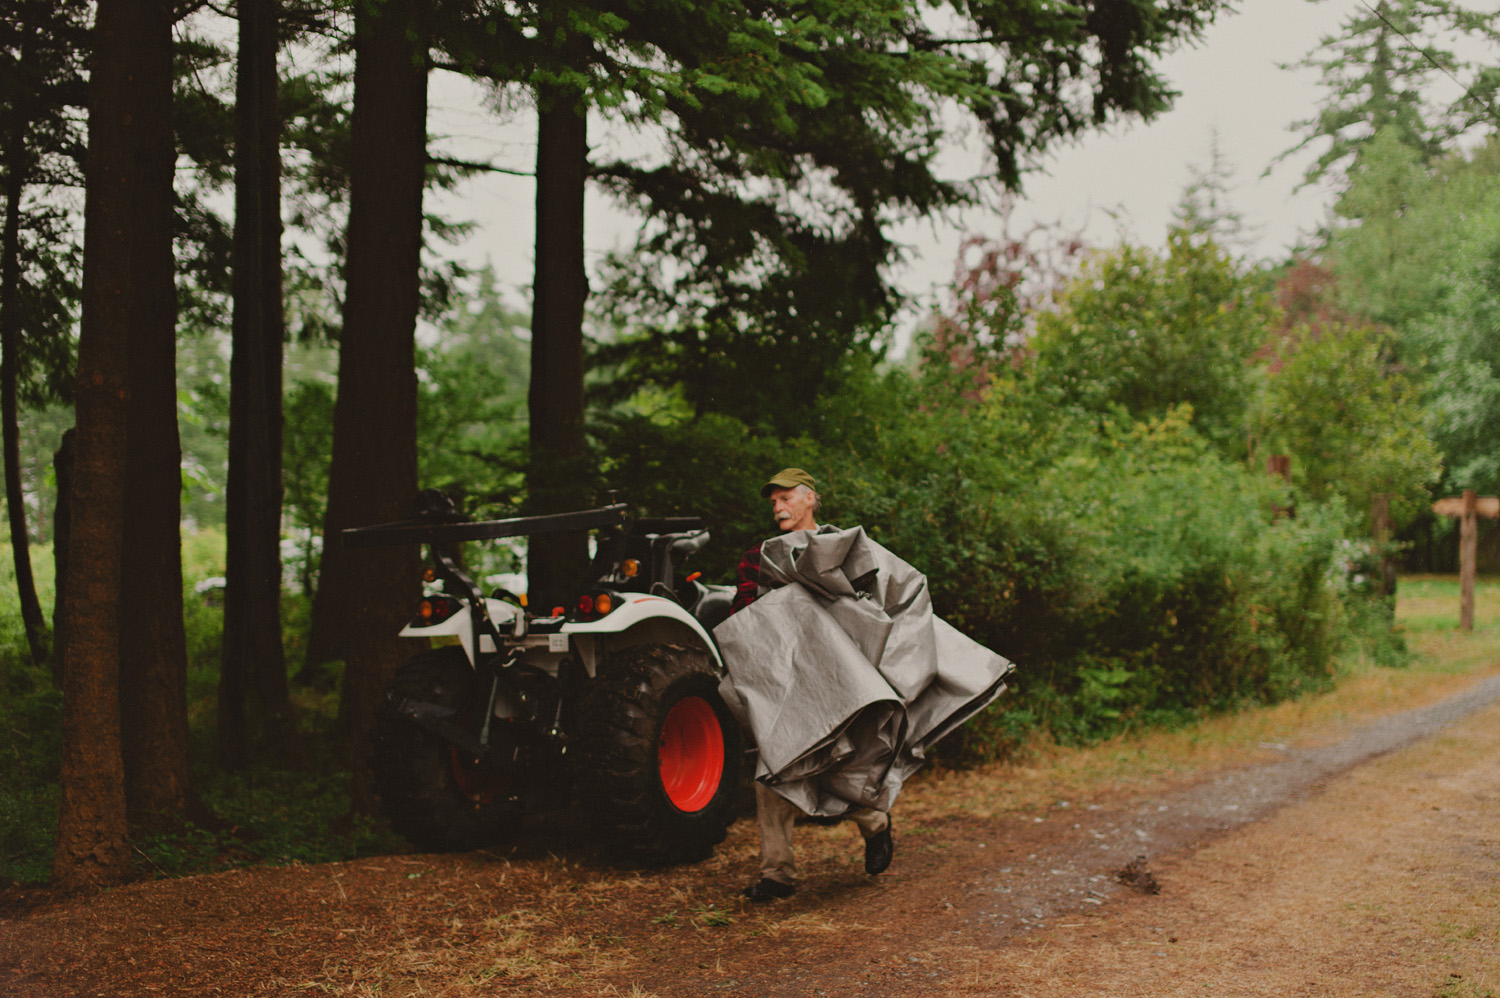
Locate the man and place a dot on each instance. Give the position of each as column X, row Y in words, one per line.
column 794, row 506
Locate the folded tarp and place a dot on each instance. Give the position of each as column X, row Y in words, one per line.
column 842, row 673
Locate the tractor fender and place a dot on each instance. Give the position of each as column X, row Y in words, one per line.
column 461, row 626
column 641, row 619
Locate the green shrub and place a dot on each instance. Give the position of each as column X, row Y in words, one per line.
column 30, row 724
column 711, row 466
column 1134, row 575
column 273, row 816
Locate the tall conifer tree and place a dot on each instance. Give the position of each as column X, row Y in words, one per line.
column 1379, row 73
column 128, row 286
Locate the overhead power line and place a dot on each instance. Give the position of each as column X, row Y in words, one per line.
column 1469, row 94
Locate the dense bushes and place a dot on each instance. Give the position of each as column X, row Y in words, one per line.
column 1133, row 573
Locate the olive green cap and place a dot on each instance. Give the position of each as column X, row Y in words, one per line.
column 787, row 478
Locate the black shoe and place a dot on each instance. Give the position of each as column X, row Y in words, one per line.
column 878, row 851
column 769, row 890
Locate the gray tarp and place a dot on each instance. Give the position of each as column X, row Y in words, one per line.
column 843, row 674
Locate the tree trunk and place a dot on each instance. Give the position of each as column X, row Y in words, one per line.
column 366, row 594
column 128, row 270
column 16, row 169
column 558, row 471
column 1468, row 534
column 153, row 648
column 253, row 663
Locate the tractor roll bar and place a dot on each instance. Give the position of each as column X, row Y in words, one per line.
column 422, row 530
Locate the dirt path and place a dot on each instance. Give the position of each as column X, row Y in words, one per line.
column 1368, row 866
column 1386, row 881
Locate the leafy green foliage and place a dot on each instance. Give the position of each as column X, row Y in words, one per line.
column 1139, row 332
column 471, row 405
column 678, row 465
column 1352, row 423
column 30, row 722
column 1464, row 384
column 30, row 725
column 269, row 816
column 306, row 445
column 1422, row 259
column 40, row 436
column 1384, row 257
column 1135, row 574
column 764, row 259
column 203, row 424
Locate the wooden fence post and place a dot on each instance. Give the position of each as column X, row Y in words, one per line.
column 1468, row 536
column 1468, row 508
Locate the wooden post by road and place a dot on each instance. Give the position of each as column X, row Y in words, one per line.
column 1468, row 508
column 1468, row 534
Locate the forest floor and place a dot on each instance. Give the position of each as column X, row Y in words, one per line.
column 1346, row 844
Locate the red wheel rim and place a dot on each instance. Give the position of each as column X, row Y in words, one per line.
column 691, row 754
column 480, row 784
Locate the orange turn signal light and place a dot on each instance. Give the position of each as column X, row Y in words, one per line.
column 630, row 568
column 591, row 606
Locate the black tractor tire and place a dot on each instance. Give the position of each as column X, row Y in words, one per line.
column 658, row 755
column 433, row 795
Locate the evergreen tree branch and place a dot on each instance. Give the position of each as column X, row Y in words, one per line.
column 476, row 167
column 1469, row 93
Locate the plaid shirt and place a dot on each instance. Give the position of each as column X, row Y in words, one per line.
column 747, row 585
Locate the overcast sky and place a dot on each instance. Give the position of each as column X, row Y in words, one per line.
column 1120, row 184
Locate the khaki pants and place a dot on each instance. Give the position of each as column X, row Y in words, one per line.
column 777, row 815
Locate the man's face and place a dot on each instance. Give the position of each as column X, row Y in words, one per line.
column 793, row 508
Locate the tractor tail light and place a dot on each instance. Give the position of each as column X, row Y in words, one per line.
column 592, row 606
column 435, row 610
